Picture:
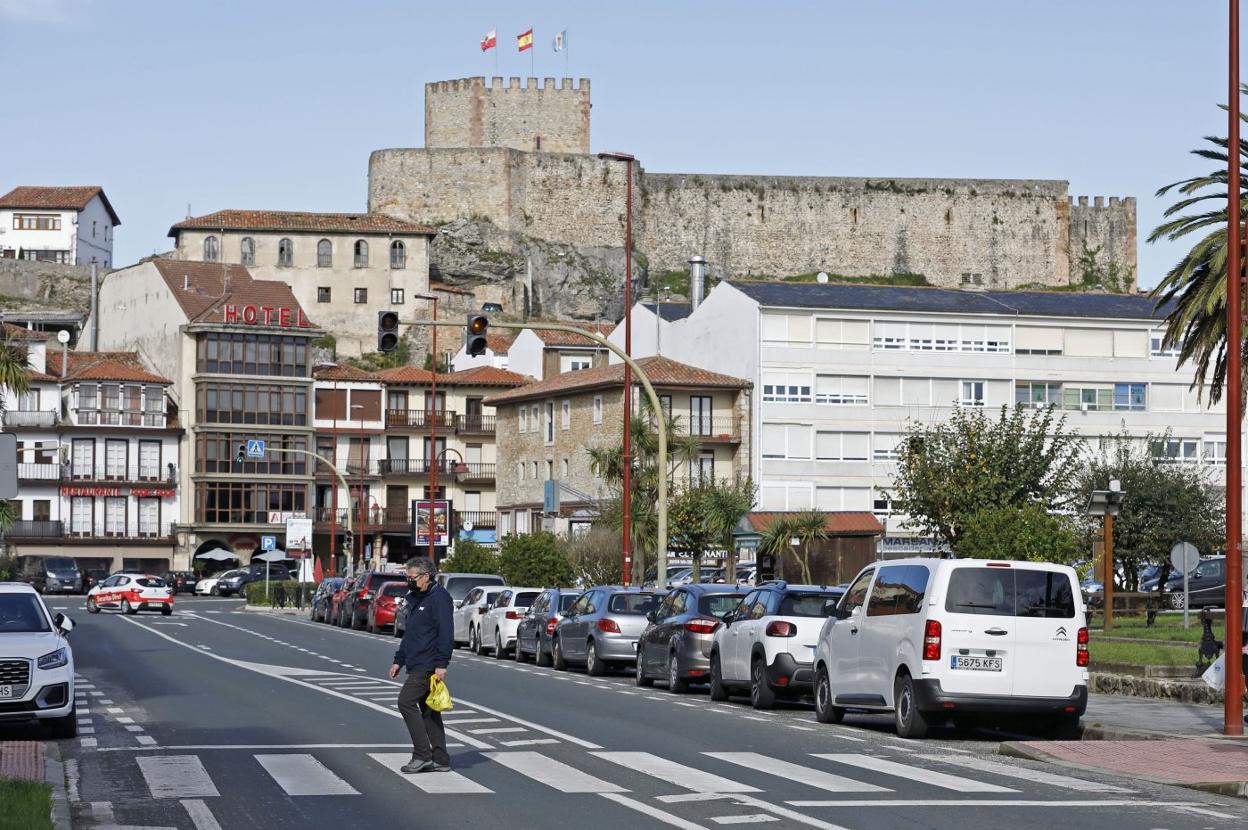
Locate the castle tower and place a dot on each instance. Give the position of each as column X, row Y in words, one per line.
column 467, row 113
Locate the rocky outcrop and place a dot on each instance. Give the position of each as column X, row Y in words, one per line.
column 44, row 286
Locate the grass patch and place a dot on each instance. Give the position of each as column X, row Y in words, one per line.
column 1141, row 654
column 875, row 279
column 1167, row 627
column 27, row 805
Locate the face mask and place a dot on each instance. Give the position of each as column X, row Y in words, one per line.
column 414, row 585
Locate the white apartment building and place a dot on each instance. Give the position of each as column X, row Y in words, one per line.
column 841, row 370
column 69, row 225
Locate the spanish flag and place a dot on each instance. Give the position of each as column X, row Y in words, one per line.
column 525, row 41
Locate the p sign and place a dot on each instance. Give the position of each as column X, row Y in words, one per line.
column 268, row 543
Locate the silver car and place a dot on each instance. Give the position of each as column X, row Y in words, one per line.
column 676, row 645
column 537, row 629
column 601, row 628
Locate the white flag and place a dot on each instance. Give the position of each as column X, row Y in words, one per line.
column 561, row 40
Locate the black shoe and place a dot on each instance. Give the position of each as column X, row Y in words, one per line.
column 437, row 767
column 416, row 765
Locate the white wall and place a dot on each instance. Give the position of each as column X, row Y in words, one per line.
column 526, row 355
column 59, row 240
column 95, row 234
column 138, row 312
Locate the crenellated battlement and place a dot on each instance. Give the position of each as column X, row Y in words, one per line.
column 498, row 83
column 533, row 114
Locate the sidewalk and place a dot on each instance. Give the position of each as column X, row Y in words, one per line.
column 1114, row 717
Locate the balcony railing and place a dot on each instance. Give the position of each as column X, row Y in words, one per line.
column 395, row 518
column 478, row 518
column 475, row 424
column 39, row 472
column 420, row 418
column 16, row 419
column 724, row 429
column 135, row 472
column 478, row 472
column 414, row 466
column 122, row 417
column 36, row 529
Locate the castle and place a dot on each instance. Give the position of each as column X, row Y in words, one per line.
column 519, row 156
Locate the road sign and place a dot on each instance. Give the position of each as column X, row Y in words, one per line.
column 255, row 448
column 1184, row 557
column 298, row 533
column 8, row 466
column 268, row 543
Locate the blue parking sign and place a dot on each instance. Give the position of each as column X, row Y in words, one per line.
column 268, row 543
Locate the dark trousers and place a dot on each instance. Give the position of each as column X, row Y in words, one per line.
column 424, row 724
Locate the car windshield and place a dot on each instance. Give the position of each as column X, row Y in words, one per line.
column 566, row 601
column 809, row 605
column 718, row 605
column 60, row 563
column 525, row 599
column 634, row 604
column 459, row 586
column 21, row 614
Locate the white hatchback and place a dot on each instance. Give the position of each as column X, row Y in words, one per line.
column 937, row 639
column 498, row 626
column 470, row 610
column 36, row 662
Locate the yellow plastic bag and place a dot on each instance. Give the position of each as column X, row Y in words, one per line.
column 439, row 698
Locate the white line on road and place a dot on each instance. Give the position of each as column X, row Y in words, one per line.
column 176, row 776
column 688, row 777
column 530, row 742
column 498, row 730
column 991, row 802
column 304, row 775
column 201, row 816
column 182, row 747
column 653, row 812
column 88, row 743
column 448, row 719
column 438, row 783
column 145, row 740
column 796, row 772
column 552, row 773
column 756, row 818
column 125, row 720
column 918, row 774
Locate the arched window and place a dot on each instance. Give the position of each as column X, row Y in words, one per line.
column 212, row 249
column 398, row 254
column 361, row 253
column 285, row 253
column 247, row 251
column 324, row 254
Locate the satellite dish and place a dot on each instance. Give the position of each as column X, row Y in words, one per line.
column 62, row 336
column 821, row 277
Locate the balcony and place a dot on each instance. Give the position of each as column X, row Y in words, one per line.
column 120, row 417
column 135, row 473
column 36, row 529
column 420, row 418
column 477, row 472
column 478, row 518
column 40, row 419
column 474, row 424
column 57, row 531
column 727, row 430
column 39, row 472
column 414, row 466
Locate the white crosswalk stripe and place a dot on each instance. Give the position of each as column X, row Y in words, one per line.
column 690, row 778
column 923, row 776
column 796, row 772
column 176, row 776
column 301, row 774
column 552, row 773
column 1025, row 774
column 439, row 783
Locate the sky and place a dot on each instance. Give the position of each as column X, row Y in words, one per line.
column 276, row 104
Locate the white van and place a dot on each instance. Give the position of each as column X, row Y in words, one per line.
column 937, row 639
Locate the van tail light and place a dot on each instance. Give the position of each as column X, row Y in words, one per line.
column 701, row 626
column 931, row 640
column 1081, row 648
column 514, row 615
column 609, row 626
column 550, row 626
column 779, row 628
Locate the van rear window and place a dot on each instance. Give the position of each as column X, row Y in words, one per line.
column 632, row 604
column 1010, row 592
column 809, row 605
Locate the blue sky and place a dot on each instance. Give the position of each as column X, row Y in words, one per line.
column 277, row 103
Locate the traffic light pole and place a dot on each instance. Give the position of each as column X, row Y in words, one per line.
column 651, row 395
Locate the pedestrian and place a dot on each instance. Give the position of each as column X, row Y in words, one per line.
column 425, row 651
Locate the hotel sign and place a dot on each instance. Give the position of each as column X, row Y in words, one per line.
column 265, row 315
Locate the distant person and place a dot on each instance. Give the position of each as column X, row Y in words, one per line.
column 425, row 651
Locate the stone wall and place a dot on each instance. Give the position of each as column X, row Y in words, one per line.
column 1108, row 227
column 468, row 113
column 27, row 286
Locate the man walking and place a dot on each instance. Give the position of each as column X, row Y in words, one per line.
column 425, row 651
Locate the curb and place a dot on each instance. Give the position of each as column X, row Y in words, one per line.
column 54, row 775
column 265, row 609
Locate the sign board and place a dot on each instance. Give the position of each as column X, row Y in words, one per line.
column 265, row 315
column 8, row 465
column 1184, row 557
column 550, row 497
column 441, row 522
column 279, row 517
column 298, row 534
column 255, row 448
column 268, row 543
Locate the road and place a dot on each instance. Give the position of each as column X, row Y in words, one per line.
column 219, row 718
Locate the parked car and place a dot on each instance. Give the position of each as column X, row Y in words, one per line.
column 318, row 608
column 931, row 639
column 131, row 593
column 676, row 645
column 459, row 584
column 51, row 574
column 499, row 624
column 337, row 600
column 470, row 610
column 535, row 631
column 181, row 581
column 767, row 643
column 1206, row 585
column 36, row 662
column 601, row 629
column 208, row 584
column 236, row 582
column 381, row 611
column 353, row 606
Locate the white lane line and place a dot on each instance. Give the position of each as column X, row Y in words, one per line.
column 995, row 802
column 531, row 742
column 446, row 719
column 115, row 710
column 105, row 702
column 88, row 743
column 437, row 783
column 796, row 772
column 653, row 812
column 133, row 727
column 917, row 774
column 145, row 740
column 182, row 747
column 125, row 720
column 176, row 776
column 498, row 730
column 86, row 730
column 690, row 778
column 96, row 694
column 201, row 816
column 1009, row 771
column 304, row 775
column 756, row 818
column 552, row 773
column 784, row 812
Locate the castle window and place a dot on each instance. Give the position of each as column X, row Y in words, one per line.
column 212, row 249
column 285, row 253
column 324, row 254
column 247, row 251
column 361, row 253
column 361, row 296
column 396, row 296
column 398, row 255
column 323, row 294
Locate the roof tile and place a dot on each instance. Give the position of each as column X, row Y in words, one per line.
column 284, row 220
column 662, row 371
column 22, row 334
column 56, row 198
column 204, row 289
column 118, row 366
column 836, row 522
column 342, row 371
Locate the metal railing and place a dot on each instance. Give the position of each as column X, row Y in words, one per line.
column 414, row 466
column 706, row 427
column 377, row 516
column 39, row 472
column 478, row 471
column 420, row 418
column 119, row 417
column 476, row 424
column 41, row 418
column 36, row 529
column 479, row 518
column 135, row 472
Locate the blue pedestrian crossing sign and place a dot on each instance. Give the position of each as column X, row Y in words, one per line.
column 255, row 448
column 268, row 543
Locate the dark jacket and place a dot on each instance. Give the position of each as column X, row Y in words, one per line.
column 430, row 635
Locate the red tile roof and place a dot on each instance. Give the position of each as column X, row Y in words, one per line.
column 662, row 371
column 118, row 366
column 39, row 377
column 838, row 523
column 499, row 343
column 343, row 371
column 403, row 375
column 563, row 338
column 284, row 220
column 204, row 289
column 56, row 198
column 22, row 334
column 480, row 376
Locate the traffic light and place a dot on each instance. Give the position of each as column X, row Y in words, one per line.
column 242, row 453
column 387, row 331
column 477, row 326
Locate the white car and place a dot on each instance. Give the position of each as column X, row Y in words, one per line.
column 767, row 645
column 470, row 610
column 208, row 584
column 36, row 662
column 131, row 593
column 937, row 639
column 499, row 624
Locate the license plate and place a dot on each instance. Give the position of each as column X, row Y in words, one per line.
column 6, row 691
column 975, row 663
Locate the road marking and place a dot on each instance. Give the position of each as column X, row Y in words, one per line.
column 114, row 710
column 105, row 702
column 182, row 747
column 133, row 727
column 437, row 783
column 653, row 812
column 796, row 772
column 145, row 740
column 176, row 776
column 757, row 818
column 498, row 730
column 994, row 802
column 552, row 773
column 688, row 777
column 1009, row 771
column 448, row 719
column 918, row 774
column 304, row 775
column 88, row 743
column 86, row 730
column 201, row 816
column 125, row 720
column 791, row 815
column 531, row 742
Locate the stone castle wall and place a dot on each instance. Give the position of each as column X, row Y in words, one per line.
column 546, row 118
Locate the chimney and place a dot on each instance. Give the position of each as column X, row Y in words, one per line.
column 697, row 281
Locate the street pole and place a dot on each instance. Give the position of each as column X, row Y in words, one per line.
column 333, row 515
column 363, row 492
column 433, row 437
column 1109, row 571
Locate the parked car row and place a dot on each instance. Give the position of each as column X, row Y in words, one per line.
column 233, row 582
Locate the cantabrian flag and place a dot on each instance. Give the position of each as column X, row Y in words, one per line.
column 525, row 41
column 489, row 41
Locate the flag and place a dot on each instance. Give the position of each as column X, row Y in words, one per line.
column 561, row 40
column 489, row 41
column 525, row 41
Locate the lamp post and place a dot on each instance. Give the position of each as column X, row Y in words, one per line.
column 363, row 486
column 627, row 500
column 432, row 416
column 1107, row 504
column 458, row 469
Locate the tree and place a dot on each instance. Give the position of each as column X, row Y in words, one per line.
column 777, row 539
column 1030, row 532
column 1197, row 283
column 809, row 527
column 797, row 535
column 951, row 470
column 701, row 518
column 13, row 379
column 536, row 560
column 471, row 557
column 595, row 556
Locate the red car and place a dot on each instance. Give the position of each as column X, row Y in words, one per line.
column 353, row 609
column 381, row 611
column 338, row 600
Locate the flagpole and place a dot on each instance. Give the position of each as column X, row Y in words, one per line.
column 567, row 54
column 495, row 50
column 532, row 71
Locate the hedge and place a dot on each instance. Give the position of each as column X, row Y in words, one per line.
column 256, row 594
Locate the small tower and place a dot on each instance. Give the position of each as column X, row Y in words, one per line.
column 545, row 118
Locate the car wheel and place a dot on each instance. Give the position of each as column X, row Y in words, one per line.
column 825, row 712
column 126, row 607
column 640, row 675
column 541, row 657
column 594, row 666
column 66, row 727
column 472, row 638
column 343, row 620
column 92, row 606
column 216, row 592
column 1175, row 601
column 911, row 723
column 371, row 626
column 761, row 695
column 519, row 654
column 499, row 651
column 556, row 655
column 356, row 624
column 719, row 692
column 482, row 649
column 166, row 610
column 675, row 684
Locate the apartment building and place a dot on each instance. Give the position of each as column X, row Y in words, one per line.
column 69, row 225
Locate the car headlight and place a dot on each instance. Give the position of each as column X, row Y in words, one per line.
column 55, row 659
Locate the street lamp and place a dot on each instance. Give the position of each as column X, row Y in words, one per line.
column 1107, row 504
column 432, row 416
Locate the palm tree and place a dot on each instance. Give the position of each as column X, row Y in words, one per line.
column 13, row 378
column 778, row 537
column 1197, row 283
column 726, row 503
column 809, row 527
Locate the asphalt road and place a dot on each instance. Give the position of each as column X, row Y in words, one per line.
column 217, row 718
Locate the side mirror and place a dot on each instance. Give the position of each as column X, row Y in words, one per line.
column 63, row 623
column 652, row 616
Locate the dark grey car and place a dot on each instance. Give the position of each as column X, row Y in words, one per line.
column 676, row 645
column 601, row 628
column 537, row 629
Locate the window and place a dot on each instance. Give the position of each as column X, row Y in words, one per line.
column 33, row 222
column 842, row 498
column 890, row 335
column 564, row 469
column 114, row 516
column 239, row 353
column 396, row 296
column 324, row 294
column 534, row 470
column 523, row 470
column 247, row 251
column 972, row 393
column 285, row 253
column 1038, row 395
column 842, row 446
column 1087, row 398
column 1130, row 397
column 1157, row 348
column 361, row 296
column 786, row 387
column 361, row 254
column 881, row 505
column 149, row 517
column 597, row 409
column 700, row 420
column 856, row 596
column 566, row 415
column 842, row 334
column 93, row 228
column 1176, row 450
column 1010, row 592
column 212, row 249
column 115, row 454
column 787, row 440
column 324, row 254
column 899, row 589
column 575, row 363
column 398, row 255
column 149, row 461
column 841, row 390
column 550, row 469
column 550, row 422
column 524, row 419
column 247, row 502
column 81, row 515
column 702, row 469
column 886, row 446
column 1215, row 451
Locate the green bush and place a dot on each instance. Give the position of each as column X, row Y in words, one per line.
column 8, row 568
column 471, row 558
column 595, row 555
column 537, row 560
column 256, row 595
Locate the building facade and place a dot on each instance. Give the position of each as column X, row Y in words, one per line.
column 69, row 225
